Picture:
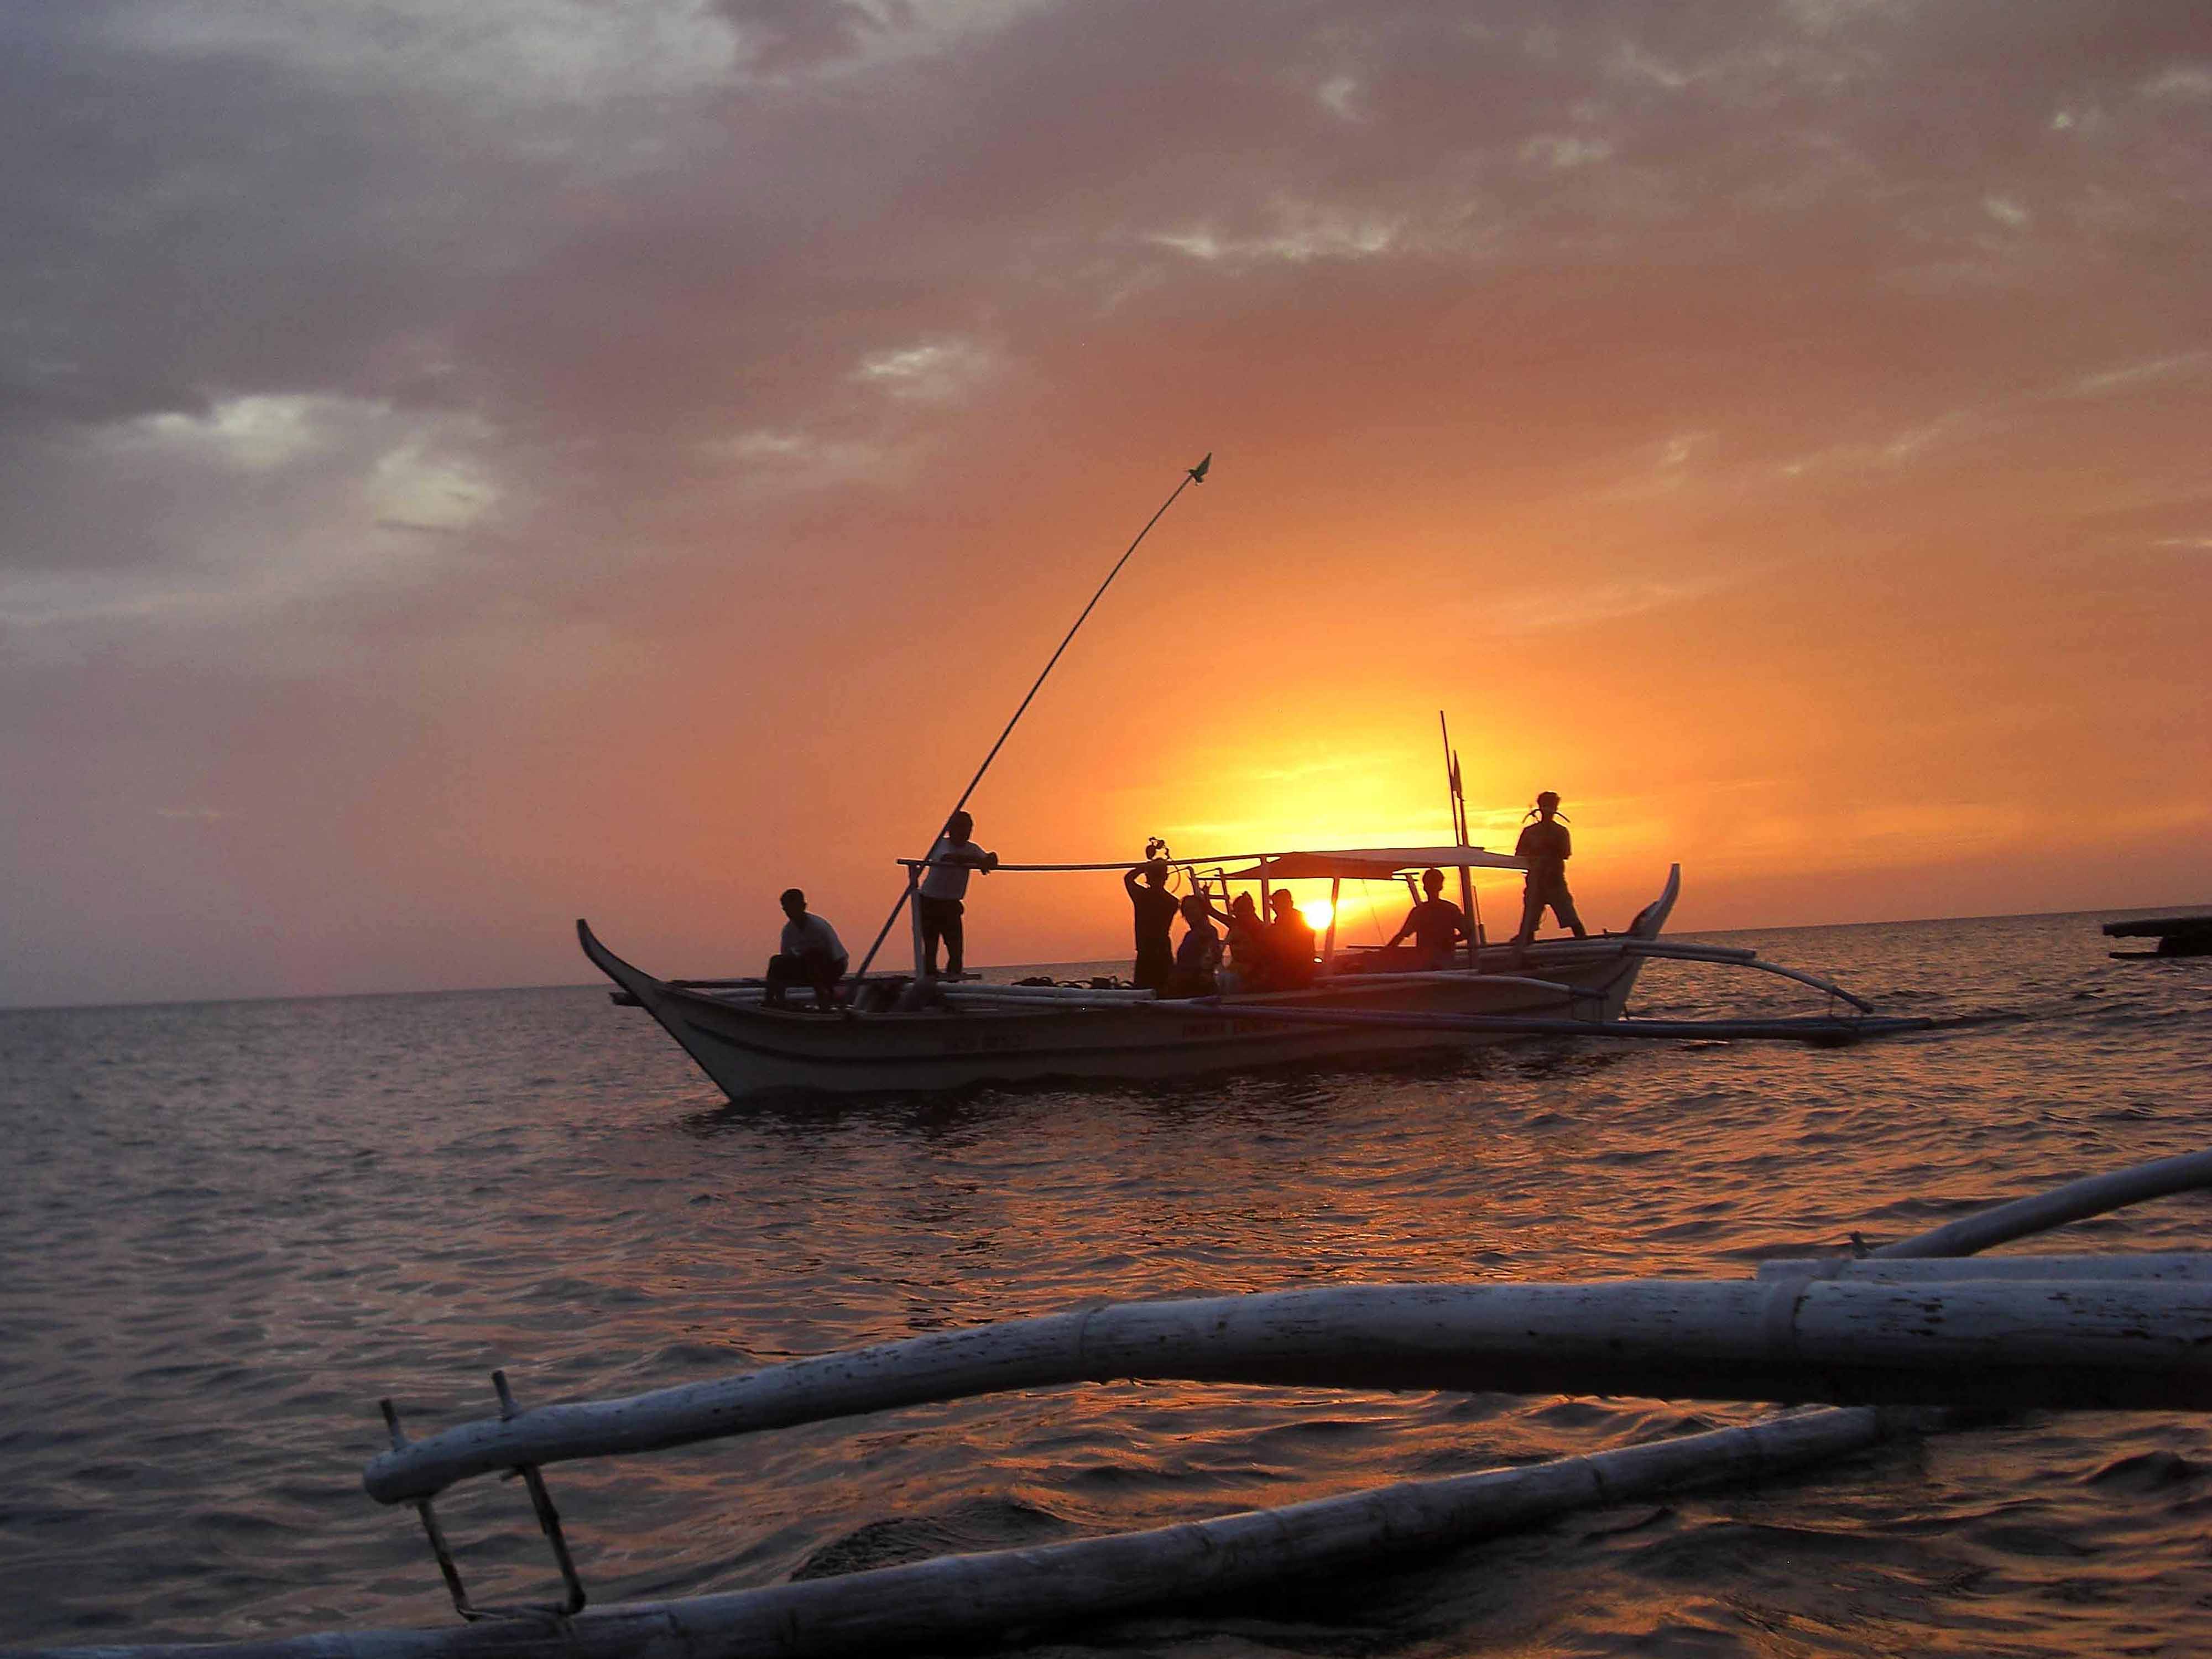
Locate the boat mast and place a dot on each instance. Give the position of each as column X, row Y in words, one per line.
column 1458, row 794
column 1191, row 476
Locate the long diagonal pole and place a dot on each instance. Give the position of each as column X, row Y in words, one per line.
column 1194, row 475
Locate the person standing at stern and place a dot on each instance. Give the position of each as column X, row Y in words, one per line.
column 1546, row 847
column 940, row 903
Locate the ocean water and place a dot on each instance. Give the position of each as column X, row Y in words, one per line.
column 230, row 1228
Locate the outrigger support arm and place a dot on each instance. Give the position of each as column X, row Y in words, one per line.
column 1191, row 476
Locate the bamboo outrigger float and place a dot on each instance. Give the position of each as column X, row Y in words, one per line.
column 2176, row 936
column 1910, row 1323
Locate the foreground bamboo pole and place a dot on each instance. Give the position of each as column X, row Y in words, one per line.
column 1916, row 1270
column 959, row 1599
column 2113, row 1344
column 678, row 1416
column 2075, row 1201
column 967, row 1598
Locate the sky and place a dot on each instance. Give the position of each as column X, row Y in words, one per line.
column 467, row 467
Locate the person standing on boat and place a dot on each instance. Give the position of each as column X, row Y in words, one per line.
column 1435, row 923
column 940, row 903
column 812, row 954
column 1290, row 943
column 1155, row 909
column 1199, row 956
column 1546, row 847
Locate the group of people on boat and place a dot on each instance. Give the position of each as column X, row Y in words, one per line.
column 1273, row 954
column 1277, row 953
column 1249, row 953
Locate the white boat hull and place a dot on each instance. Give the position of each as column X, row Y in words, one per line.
column 748, row 1050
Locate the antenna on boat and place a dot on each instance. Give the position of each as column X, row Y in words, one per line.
column 1458, row 794
column 1191, row 476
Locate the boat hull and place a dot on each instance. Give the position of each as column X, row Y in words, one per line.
column 749, row 1050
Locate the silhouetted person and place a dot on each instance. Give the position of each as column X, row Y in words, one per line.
column 1248, row 941
column 1546, row 847
column 1435, row 923
column 1155, row 909
column 944, row 886
column 1200, row 954
column 812, row 954
column 1290, row 943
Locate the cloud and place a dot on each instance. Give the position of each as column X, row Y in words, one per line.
column 1551, row 610
column 1564, row 151
column 531, row 51
column 215, row 515
column 413, row 487
column 784, row 461
column 931, row 371
column 1300, row 232
column 785, row 40
column 2183, row 82
column 254, row 433
column 2130, row 377
column 351, row 351
column 1340, row 96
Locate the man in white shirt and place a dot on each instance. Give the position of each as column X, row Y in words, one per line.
column 944, row 885
column 811, row 953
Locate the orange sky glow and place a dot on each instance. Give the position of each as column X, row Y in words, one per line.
column 622, row 462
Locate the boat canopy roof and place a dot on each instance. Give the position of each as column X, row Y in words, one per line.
column 1370, row 863
column 1326, row 864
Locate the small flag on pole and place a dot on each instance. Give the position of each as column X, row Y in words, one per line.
column 1198, row 472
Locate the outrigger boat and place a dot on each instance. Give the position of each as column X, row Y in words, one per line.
column 914, row 1032
column 917, row 1031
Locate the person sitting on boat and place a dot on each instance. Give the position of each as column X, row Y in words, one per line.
column 1435, row 923
column 1248, row 943
column 812, row 954
column 1546, row 847
column 1290, row 943
column 1156, row 908
column 938, row 904
column 1199, row 956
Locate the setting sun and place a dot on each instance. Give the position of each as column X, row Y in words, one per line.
column 1315, row 911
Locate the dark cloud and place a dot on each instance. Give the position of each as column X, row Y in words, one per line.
column 780, row 36
column 371, row 349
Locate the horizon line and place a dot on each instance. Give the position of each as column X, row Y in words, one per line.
column 2112, row 911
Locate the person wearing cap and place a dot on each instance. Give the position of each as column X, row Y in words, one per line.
column 1155, row 909
column 939, row 903
column 1545, row 846
column 812, row 954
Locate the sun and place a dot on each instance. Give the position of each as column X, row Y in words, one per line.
column 1315, row 911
